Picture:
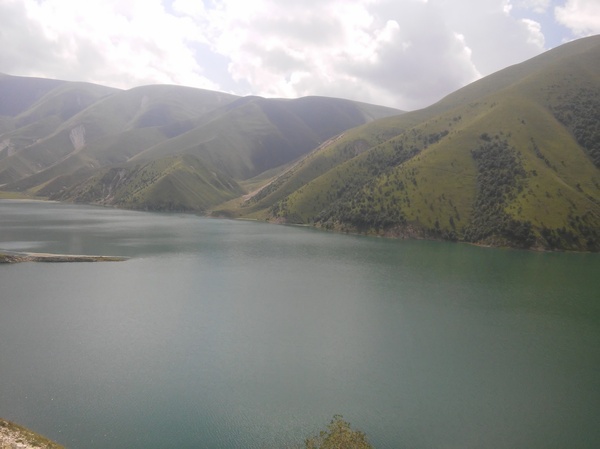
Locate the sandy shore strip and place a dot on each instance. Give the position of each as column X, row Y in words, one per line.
column 17, row 257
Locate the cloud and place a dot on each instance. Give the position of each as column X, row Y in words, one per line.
column 582, row 17
column 406, row 53
column 403, row 53
column 415, row 68
column 537, row 6
column 119, row 43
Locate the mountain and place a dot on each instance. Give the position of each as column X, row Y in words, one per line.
column 510, row 160
column 108, row 129
column 254, row 134
column 58, row 138
column 17, row 94
column 173, row 183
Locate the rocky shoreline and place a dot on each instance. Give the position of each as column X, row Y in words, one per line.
column 13, row 257
column 13, row 436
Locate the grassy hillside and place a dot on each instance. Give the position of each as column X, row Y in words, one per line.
column 98, row 126
column 175, row 183
column 107, row 125
column 17, row 94
column 33, row 123
column 253, row 134
column 63, row 102
column 509, row 160
column 73, row 132
column 328, row 155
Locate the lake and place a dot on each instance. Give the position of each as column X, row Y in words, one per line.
column 230, row 334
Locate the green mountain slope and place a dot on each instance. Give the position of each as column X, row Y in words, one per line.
column 33, row 121
column 63, row 102
column 253, row 134
column 509, row 160
column 176, row 183
column 111, row 130
column 17, row 94
column 71, row 133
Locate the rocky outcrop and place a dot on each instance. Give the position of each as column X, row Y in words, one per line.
column 13, row 436
column 77, row 136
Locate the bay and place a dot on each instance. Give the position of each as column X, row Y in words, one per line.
column 233, row 334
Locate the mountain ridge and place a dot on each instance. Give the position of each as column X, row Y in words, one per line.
column 512, row 159
column 515, row 165
column 71, row 132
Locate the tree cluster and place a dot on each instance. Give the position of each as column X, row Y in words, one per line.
column 365, row 204
column 499, row 179
column 580, row 112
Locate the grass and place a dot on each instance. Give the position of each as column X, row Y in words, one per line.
column 181, row 183
column 5, row 195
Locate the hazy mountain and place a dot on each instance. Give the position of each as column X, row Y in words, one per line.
column 178, row 183
column 109, row 129
column 17, row 93
column 56, row 135
column 253, row 134
column 512, row 159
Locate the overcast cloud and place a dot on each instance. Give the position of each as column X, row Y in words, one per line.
column 401, row 53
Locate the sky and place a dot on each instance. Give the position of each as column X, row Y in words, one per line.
column 400, row 53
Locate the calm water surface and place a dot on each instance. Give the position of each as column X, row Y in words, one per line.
column 229, row 334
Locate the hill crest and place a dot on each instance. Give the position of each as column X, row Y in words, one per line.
column 510, row 160
column 69, row 134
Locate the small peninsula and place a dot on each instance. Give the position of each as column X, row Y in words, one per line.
column 14, row 257
column 15, row 436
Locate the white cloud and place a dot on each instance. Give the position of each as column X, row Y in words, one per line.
column 398, row 52
column 405, row 53
column 496, row 38
column 582, row 17
column 537, row 6
column 535, row 35
column 119, row 43
column 191, row 8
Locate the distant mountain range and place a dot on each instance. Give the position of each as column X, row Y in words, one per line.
column 510, row 160
column 155, row 147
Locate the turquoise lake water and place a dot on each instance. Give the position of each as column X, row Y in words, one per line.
column 232, row 334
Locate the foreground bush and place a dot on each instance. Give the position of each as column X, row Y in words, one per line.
column 338, row 435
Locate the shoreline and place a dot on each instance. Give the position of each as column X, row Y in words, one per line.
column 409, row 233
